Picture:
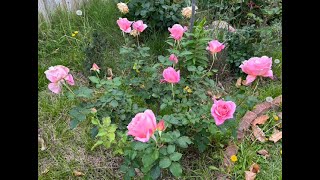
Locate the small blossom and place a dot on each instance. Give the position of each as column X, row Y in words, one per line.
column 269, row 99
column 79, row 12
column 275, row 117
column 73, row 35
column 76, row 32
column 123, row 8
column 93, row 110
column 95, row 67
column 234, row 158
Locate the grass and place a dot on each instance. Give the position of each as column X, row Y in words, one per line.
column 69, row 150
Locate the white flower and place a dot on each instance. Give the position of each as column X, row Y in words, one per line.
column 269, row 99
column 187, row 11
column 79, row 12
column 123, row 8
column 277, row 61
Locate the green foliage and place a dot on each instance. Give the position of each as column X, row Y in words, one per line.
column 159, row 14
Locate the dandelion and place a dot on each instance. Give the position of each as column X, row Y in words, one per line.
column 269, row 99
column 187, row 88
column 281, row 151
column 73, row 34
column 275, row 117
column 277, row 61
column 234, row 158
column 76, row 32
column 79, row 12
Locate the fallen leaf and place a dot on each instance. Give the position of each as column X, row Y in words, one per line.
column 264, row 153
column 245, row 123
column 279, row 114
column 41, row 141
column 260, row 120
column 238, row 83
column 249, row 175
column 258, row 133
column 277, row 101
column 77, row 173
column 45, row 171
column 244, row 82
column 255, row 168
column 275, row 137
column 138, row 172
column 232, row 149
column 221, row 176
column 261, row 108
column 218, row 96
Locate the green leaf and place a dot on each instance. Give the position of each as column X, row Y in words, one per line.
column 148, row 159
column 155, row 172
column 102, row 133
column 192, row 68
column 163, row 150
column 94, row 79
column 214, row 168
column 162, row 106
column 139, row 146
column 106, row 121
column 97, row 144
column 175, row 156
column 164, row 162
column 95, row 121
column 171, row 149
column 111, row 136
column 185, row 53
column 114, row 103
column 73, row 123
column 84, row 92
column 176, row 169
column 184, row 141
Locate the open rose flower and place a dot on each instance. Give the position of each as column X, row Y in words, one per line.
column 173, row 58
column 57, row 75
column 95, row 67
column 222, row 110
column 171, row 76
column 124, row 24
column 256, row 66
column 215, row 46
column 177, row 31
column 187, row 11
column 143, row 125
column 123, row 8
column 139, row 26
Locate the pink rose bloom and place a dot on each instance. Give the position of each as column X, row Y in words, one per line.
column 222, row 110
column 177, row 31
column 161, row 126
column 95, row 67
column 215, row 46
column 173, row 58
column 142, row 126
column 139, row 26
column 124, row 25
column 171, row 76
column 256, row 66
column 57, row 75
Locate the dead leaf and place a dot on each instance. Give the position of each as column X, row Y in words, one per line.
column 245, row 123
column 260, row 120
column 232, row 149
column 41, row 141
column 275, row 137
column 249, row 175
column 238, row 83
column 277, row 101
column 264, row 153
column 255, row 168
column 244, row 82
column 258, row 133
column 261, row 108
column 45, row 171
column 217, row 96
column 139, row 173
column 279, row 114
column 78, row 173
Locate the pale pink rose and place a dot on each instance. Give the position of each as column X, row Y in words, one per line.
column 142, row 126
column 215, row 46
column 124, row 25
column 173, row 58
column 161, row 126
column 57, row 75
column 95, row 67
column 256, row 66
column 177, row 31
column 222, row 110
column 139, row 26
column 171, row 76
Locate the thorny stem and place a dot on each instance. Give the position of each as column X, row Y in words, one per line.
column 172, row 91
column 138, row 40
column 68, row 88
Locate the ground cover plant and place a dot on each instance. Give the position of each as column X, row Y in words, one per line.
column 123, row 95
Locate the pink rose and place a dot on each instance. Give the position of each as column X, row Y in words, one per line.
column 161, row 126
column 177, row 31
column 95, row 67
column 256, row 66
column 57, row 75
column 171, row 76
column 222, row 110
column 139, row 26
column 142, row 126
column 215, row 46
column 124, row 25
column 173, row 58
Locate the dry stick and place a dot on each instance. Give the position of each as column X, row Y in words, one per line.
column 192, row 17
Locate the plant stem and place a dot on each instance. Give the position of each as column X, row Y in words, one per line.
column 213, row 58
column 256, row 86
column 138, row 40
column 97, row 76
column 172, row 91
column 68, row 88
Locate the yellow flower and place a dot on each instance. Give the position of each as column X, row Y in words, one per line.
column 123, row 8
column 281, row 151
column 275, row 117
column 76, row 32
column 187, row 88
column 234, row 158
column 73, row 35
